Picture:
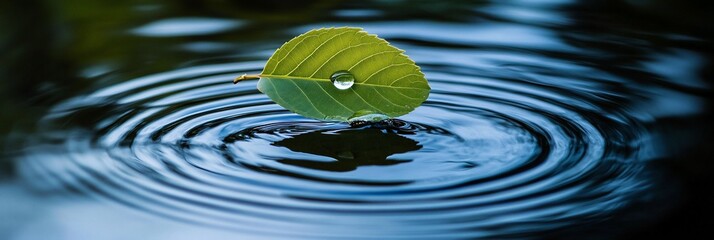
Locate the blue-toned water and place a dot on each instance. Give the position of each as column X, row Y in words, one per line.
column 546, row 120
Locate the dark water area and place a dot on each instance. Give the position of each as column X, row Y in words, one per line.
column 549, row 119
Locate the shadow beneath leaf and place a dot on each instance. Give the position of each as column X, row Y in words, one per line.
column 351, row 148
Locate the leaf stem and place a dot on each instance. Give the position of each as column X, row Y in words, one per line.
column 246, row 77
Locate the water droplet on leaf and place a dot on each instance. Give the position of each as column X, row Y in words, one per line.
column 342, row 79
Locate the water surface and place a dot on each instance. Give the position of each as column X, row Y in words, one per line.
column 544, row 121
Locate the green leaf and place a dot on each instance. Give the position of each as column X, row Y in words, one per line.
column 386, row 82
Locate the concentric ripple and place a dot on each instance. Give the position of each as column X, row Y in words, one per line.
column 485, row 156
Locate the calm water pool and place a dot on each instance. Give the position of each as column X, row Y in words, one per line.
column 546, row 120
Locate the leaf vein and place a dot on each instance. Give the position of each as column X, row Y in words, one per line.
column 308, row 98
column 291, row 50
column 385, row 68
column 333, row 56
column 400, row 93
column 276, row 92
column 368, row 57
column 365, row 101
column 385, row 98
column 402, row 77
column 314, row 51
column 328, row 80
column 333, row 98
